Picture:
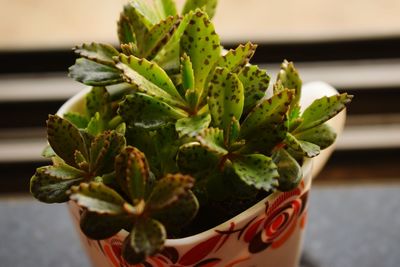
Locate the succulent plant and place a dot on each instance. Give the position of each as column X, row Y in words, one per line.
column 174, row 126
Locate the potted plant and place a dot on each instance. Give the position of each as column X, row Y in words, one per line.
column 177, row 155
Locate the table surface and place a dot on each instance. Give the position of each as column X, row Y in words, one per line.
column 349, row 226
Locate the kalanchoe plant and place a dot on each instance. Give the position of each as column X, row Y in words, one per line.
column 174, row 126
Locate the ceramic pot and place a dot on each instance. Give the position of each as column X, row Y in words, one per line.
column 268, row 234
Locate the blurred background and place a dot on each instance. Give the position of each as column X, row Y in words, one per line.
column 354, row 45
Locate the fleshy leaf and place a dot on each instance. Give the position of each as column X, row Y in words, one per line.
column 146, row 239
column 138, row 18
column 65, row 139
column 50, row 184
column 306, row 148
column 256, row 170
column 148, row 112
column 235, row 59
column 194, row 158
column 168, row 190
column 232, row 132
column 226, row 97
column 191, row 126
column 92, row 73
column 97, row 197
column 143, row 8
column 322, row 110
column 289, row 170
column 132, row 173
column 78, row 120
column 213, row 140
column 48, row 152
column 103, row 150
column 255, row 83
column 187, row 73
column 288, row 78
column 264, row 127
column 149, row 78
column 209, row 6
column 202, row 45
column 179, row 214
column 322, row 135
column 126, row 33
column 101, row 226
column 165, row 8
column 98, row 100
column 100, row 53
column 95, row 125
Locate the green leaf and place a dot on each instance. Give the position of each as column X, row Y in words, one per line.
column 191, row 126
column 290, row 172
column 99, row 100
column 188, row 82
column 50, row 184
column 256, row 170
column 146, row 10
column 209, row 6
column 64, row 138
column 213, row 140
column 193, row 158
column 306, row 148
column 179, row 214
column 146, row 239
column 92, row 73
column 97, row 197
column 264, row 127
column 126, row 33
column 138, row 16
column 100, row 53
column 101, row 226
column 78, row 120
column 322, row 110
column 289, row 78
column 48, row 152
column 150, row 79
column 103, row 150
column 202, row 45
column 132, row 173
column 148, row 112
column 165, row 8
column 158, row 36
column 226, row 97
column 168, row 190
column 232, row 132
column 95, row 125
column 235, row 59
column 255, row 83
column 322, row 135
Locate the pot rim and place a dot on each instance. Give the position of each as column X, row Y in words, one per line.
column 75, row 103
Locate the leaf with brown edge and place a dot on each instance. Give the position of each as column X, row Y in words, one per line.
column 289, row 78
column 264, row 127
column 97, row 197
column 212, row 139
column 132, row 173
column 226, row 97
column 101, row 226
column 101, row 53
column 208, row 6
column 179, row 214
column 322, row 135
column 64, row 138
column 193, row 158
column 191, row 126
column 202, row 45
column 290, row 172
column 306, row 148
column 138, row 19
column 321, row 110
column 256, row 170
column 145, row 111
column 232, row 132
column 99, row 100
column 50, row 184
column 146, row 238
column 168, row 190
column 235, row 59
column 159, row 35
column 126, row 33
column 255, row 83
column 103, row 150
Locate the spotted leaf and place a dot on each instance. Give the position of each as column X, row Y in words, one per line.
column 256, row 170
column 235, row 59
column 191, row 126
column 146, row 238
column 226, row 97
column 213, row 140
column 322, row 110
column 165, row 8
column 194, row 158
column 100, row 53
column 289, row 170
column 92, row 73
column 50, row 184
column 289, row 78
column 97, row 197
column 306, row 148
column 202, row 45
column 322, row 135
column 98, row 100
column 208, row 6
column 64, row 138
column 168, row 190
column 132, row 173
column 148, row 112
